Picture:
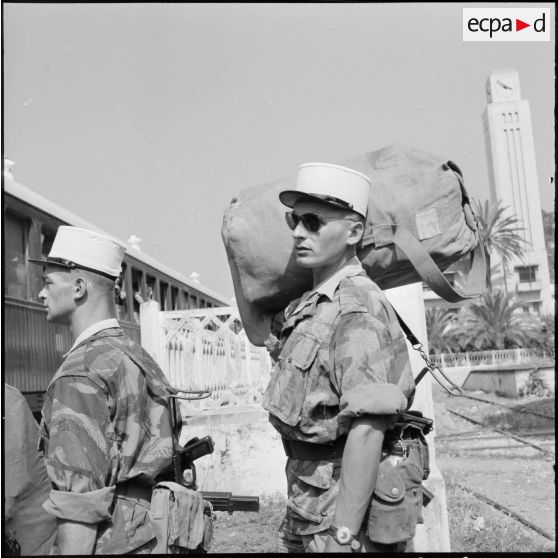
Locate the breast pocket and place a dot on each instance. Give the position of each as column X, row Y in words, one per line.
column 286, row 391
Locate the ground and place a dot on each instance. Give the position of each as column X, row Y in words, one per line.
column 516, row 476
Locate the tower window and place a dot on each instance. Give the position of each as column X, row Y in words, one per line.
column 527, row 273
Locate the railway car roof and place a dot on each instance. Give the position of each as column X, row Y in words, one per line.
column 30, row 197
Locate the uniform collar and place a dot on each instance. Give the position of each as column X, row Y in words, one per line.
column 92, row 330
column 326, row 288
column 329, row 286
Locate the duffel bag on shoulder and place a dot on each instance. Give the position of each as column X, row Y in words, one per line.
column 419, row 222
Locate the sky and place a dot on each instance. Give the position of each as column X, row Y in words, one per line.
column 148, row 119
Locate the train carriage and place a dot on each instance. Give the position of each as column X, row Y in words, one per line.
column 33, row 348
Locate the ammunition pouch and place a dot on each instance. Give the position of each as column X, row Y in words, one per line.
column 181, row 519
column 396, row 505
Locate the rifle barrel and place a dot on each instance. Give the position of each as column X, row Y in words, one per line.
column 225, row 501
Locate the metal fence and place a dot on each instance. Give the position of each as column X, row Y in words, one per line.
column 511, row 356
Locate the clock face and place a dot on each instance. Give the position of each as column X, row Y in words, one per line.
column 504, row 87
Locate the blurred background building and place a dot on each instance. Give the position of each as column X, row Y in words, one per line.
column 514, row 183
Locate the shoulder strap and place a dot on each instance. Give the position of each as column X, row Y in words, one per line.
column 418, row 346
column 431, row 274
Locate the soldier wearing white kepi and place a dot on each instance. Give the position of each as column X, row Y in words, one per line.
column 342, row 376
column 106, row 431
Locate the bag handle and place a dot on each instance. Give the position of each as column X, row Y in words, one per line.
column 418, row 346
column 432, row 275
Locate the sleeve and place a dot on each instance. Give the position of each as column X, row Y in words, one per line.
column 364, row 354
column 78, row 455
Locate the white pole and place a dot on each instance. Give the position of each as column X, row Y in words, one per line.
column 149, row 329
column 433, row 535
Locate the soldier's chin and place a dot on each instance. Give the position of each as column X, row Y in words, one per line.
column 304, row 259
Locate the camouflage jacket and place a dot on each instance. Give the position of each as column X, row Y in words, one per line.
column 26, row 484
column 106, row 437
column 341, row 354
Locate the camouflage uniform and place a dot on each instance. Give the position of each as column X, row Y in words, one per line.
column 26, row 484
column 341, row 355
column 106, row 437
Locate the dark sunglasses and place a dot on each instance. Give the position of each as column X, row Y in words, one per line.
column 312, row 222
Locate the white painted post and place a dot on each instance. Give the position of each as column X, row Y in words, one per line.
column 150, row 330
column 433, row 535
column 517, row 355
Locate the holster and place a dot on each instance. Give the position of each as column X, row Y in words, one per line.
column 396, row 504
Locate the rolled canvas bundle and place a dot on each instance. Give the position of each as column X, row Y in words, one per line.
column 419, row 222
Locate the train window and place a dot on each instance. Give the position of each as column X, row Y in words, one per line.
column 15, row 231
column 137, row 279
column 174, row 298
column 47, row 239
column 193, row 301
column 164, row 295
column 151, row 287
column 120, row 295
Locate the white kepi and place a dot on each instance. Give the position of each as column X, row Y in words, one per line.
column 74, row 247
column 334, row 184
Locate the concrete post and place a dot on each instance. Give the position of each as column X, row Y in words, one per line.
column 149, row 329
column 433, row 535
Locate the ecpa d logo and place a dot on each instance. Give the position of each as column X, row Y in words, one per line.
column 506, row 24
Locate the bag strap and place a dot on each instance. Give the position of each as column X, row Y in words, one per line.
column 418, row 346
column 432, row 275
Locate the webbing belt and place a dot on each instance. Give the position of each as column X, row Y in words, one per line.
column 308, row 451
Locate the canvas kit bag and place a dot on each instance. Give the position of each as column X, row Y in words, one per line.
column 419, row 222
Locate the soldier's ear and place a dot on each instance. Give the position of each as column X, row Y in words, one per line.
column 80, row 288
column 356, row 231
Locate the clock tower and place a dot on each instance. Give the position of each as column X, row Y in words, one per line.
column 513, row 178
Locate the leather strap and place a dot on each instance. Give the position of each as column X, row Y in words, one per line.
column 432, row 275
column 307, row 451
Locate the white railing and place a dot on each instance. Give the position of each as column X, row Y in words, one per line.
column 207, row 349
column 510, row 356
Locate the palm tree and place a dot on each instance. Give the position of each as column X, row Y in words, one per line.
column 499, row 233
column 438, row 323
column 496, row 321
